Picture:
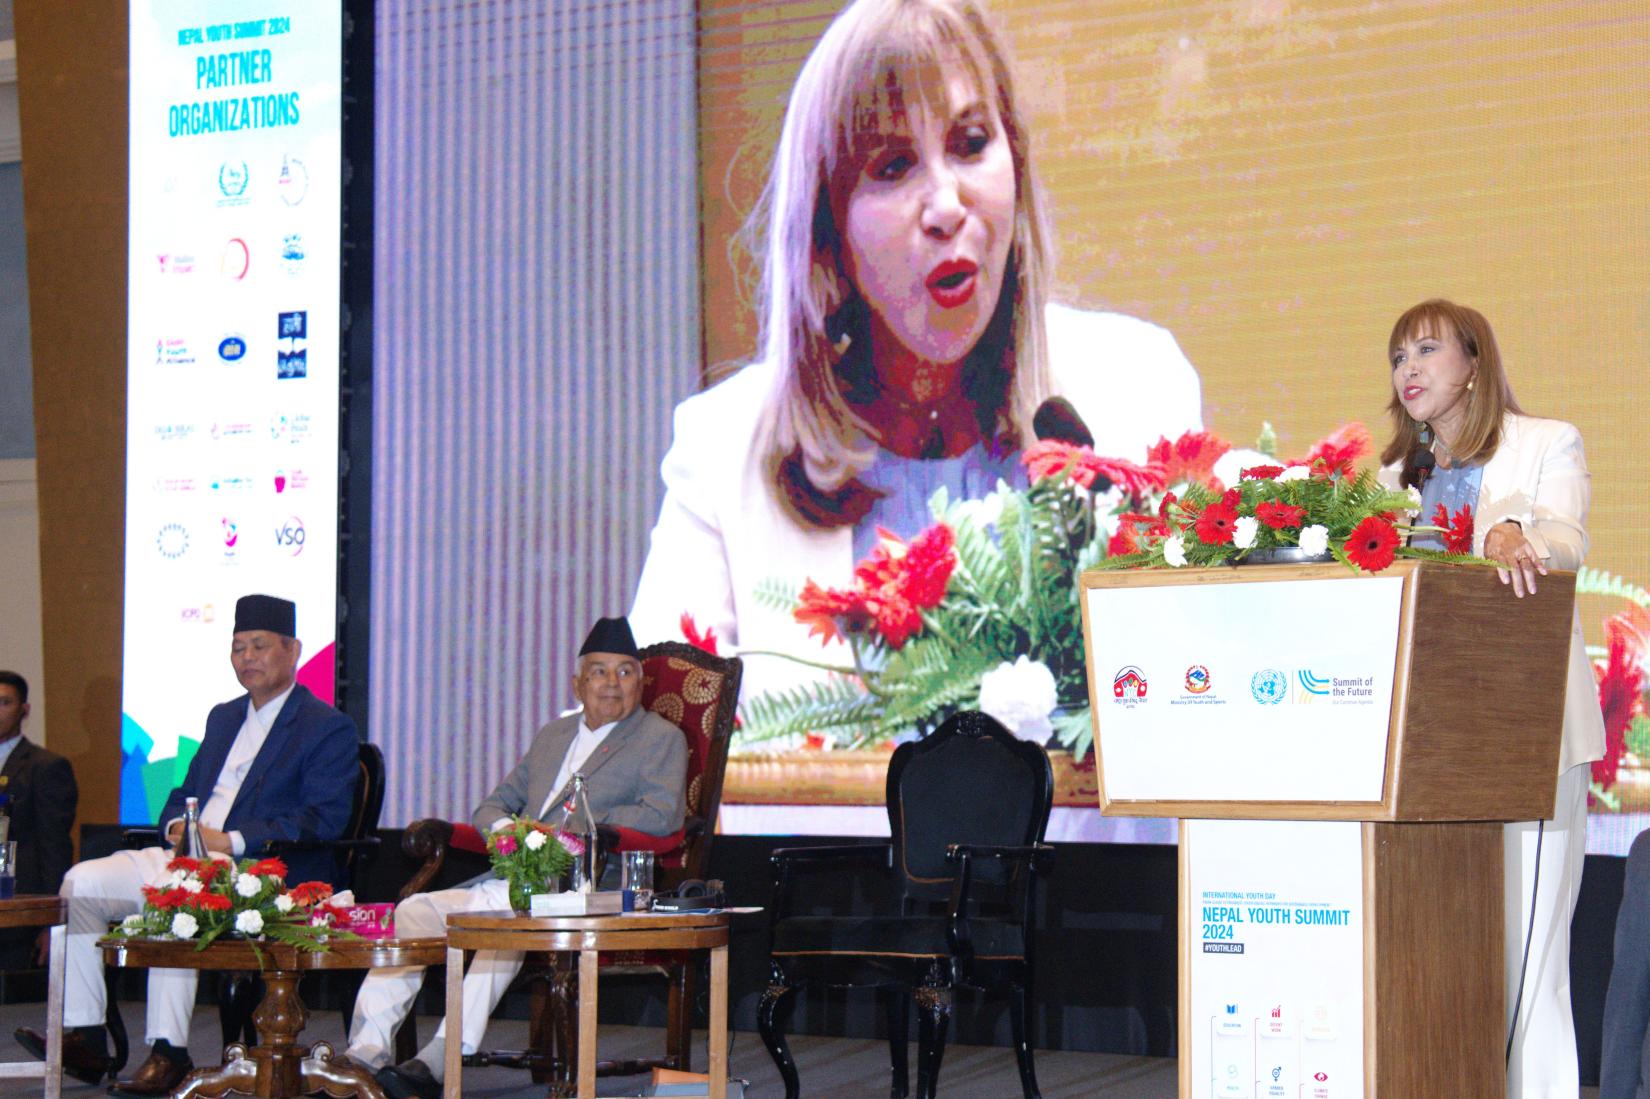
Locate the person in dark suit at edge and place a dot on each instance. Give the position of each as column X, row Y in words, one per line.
column 38, row 790
column 275, row 763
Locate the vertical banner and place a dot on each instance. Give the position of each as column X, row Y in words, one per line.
column 1273, row 945
column 232, row 357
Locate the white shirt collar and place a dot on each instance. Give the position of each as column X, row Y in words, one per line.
column 269, row 711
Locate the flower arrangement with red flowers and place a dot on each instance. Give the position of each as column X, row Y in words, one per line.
column 530, row 855
column 203, row 900
column 1320, row 505
column 981, row 609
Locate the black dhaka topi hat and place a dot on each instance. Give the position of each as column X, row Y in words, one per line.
column 266, row 612
column 611, row 635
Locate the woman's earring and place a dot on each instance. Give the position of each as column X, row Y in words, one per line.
column 841, row 324
column 1469, row 384
column 1424, row 435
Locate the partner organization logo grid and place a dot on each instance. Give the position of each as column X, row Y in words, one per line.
column 1199, row 684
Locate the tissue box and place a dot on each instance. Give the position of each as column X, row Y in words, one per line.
column 369, row 921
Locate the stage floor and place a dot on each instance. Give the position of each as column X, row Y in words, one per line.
column 836, row 1067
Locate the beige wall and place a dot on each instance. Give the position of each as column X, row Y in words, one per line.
column 71, row 66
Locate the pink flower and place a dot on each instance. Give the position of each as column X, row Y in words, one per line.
column 505, row 844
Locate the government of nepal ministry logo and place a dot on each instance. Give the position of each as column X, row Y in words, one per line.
column 1197, row 679
column 1269, row 686
column 1129, row 684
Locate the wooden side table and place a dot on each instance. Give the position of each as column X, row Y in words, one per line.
column 588, row 936
column 42, row 911
column 278, row 1068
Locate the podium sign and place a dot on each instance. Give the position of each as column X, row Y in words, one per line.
column 1271, row 691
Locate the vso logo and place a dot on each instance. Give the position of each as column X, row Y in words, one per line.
column 289, row 536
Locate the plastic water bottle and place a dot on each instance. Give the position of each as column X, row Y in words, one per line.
column 582, row 823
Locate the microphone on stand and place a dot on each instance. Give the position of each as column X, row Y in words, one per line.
column 1423, row 463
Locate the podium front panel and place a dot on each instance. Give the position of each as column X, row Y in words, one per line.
column 1273, row 949
column 1240, row 688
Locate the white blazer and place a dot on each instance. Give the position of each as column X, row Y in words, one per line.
column 1538, row 478
column 723, row 530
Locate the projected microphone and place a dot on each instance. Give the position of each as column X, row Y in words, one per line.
column 1056, row 418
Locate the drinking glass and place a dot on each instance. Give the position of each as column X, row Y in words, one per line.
column 8, row 870
column 638, row 878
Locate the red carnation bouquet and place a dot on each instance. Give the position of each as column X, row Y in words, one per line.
column 203, row 900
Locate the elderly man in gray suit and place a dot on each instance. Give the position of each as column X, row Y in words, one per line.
column 635, row 767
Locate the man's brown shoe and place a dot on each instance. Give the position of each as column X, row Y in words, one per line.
column 159, row 1075
column 81, row 1057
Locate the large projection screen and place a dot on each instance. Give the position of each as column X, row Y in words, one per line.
column 1272, row 183
column 232, row 348
column 1276, row 182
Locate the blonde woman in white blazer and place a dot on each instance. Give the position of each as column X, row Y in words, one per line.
column 906, row 341
column 1451, row 395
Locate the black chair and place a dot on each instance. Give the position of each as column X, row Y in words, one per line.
column 239, row 992
column 967, row 809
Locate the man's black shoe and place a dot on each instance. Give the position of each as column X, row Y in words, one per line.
column 86, row 1060
column 408, row 1080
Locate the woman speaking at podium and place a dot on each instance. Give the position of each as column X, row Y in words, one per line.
column 906, row 341
column 1462, row 440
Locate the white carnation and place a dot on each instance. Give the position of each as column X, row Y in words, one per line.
column 1174, row 550
column 1244, row 531
column 1020, row 695
column 1295, row 473
column 190, row 885
column 250, row 922
column 535, row 840
column 983, row 512
column 184, row 926
column 247, row 885
column 1315, row 539
column 1414, row 504
column 177, row 878
column 283, row 903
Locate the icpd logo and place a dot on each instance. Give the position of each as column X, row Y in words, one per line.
column 232, row 349
column 1129, row 684
column 1197, row 679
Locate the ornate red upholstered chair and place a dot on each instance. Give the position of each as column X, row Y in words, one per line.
column 699, row 693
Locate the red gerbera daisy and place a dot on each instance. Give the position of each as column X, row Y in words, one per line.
column 1214, row 525
column 273, row 867
column 1621, row 697
column 1338, row 452
column 310, row 893
column 1259, row 473
column 1457, row 530
column 1278, row 516
column 1372, row 544
column 690, row 630
column 1190, row 458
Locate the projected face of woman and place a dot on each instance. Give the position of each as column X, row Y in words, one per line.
column 928, row 225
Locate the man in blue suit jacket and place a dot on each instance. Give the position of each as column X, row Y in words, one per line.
column 276, row 763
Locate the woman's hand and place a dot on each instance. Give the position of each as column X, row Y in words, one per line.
column 1506, row 545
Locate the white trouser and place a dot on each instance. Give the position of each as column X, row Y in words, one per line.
column 1543, row 1062
column 111, row 888
column 387, row 994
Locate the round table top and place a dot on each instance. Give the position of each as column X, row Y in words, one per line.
column 239, row 954
column 33, row 910
column 618, row 921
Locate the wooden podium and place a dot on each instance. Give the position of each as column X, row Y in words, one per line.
column 1398, row 718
